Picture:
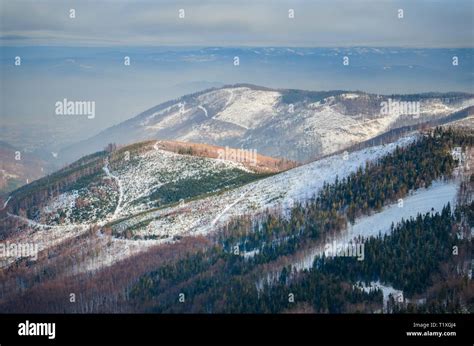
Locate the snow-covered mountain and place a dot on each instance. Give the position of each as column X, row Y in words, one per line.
column 129, row 180
column 105, row 187
column 295, row 124
column 281, row 191
column 145, row 196
column 120, row 203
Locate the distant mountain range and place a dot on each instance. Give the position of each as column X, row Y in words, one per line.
column 295, row 124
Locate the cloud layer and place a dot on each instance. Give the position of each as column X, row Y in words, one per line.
column 326, row 23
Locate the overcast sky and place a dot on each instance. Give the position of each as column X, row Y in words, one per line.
column 426, row 23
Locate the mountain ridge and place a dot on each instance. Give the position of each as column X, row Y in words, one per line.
column 253, row 117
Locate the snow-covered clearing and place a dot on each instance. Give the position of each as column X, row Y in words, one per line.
column 387, row 291
column 249, row 108
column 421, row 201
column 278, row 191
column 120, row 187
column 43, row 236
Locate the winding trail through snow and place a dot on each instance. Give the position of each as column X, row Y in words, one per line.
column 6, row 202
column 119, row 183
column 32, row 222
column 203, row 109
column 228, row 207
column 229, row 100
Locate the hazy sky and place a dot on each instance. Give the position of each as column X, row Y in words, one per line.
column 81, row 58
column 426, row 23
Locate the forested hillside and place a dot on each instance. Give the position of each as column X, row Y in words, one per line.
column 233, row 269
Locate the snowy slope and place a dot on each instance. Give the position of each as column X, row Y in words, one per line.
column 148, row 179
column 138, row 222
column 422, row 201
column 282, row 190
column 205, row 215
column 296, row 124
column 133, row 185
